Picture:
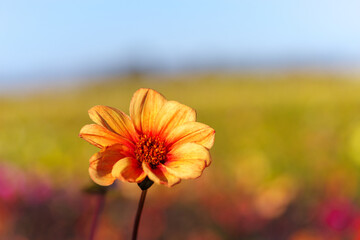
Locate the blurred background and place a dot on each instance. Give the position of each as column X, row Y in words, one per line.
column 278, row 80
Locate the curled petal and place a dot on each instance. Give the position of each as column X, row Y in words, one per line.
column 187, row 161
column 100, row 136
column 192, row 132
column 144, row 107
column 114, row 120
column 128, row 169
column 171, row 115
column 160, row 175
column 101, row 164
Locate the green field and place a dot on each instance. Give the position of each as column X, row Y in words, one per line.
column 280, row 138
column 300, row 125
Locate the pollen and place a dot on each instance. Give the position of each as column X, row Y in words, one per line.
column 151, row 150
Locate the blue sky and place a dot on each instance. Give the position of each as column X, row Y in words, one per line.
column 75, row 35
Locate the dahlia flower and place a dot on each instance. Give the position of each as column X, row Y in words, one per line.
column 160, row 140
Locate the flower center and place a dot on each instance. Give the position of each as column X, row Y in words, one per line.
column 151, row 150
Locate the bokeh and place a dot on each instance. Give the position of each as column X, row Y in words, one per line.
column 286, row 158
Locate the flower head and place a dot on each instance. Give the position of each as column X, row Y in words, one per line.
column 160, row 140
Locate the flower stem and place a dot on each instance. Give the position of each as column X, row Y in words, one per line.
column 99, row 208
column 138, row 214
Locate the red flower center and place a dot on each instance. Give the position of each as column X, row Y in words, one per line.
column 151, row 150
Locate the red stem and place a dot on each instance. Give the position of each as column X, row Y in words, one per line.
column 138, row 214
column 99, row 208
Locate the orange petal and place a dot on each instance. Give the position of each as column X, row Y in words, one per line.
column 192, row 132
column 171, row 115
column 144, row 107
column 114, row 120
column 128, row 169
column 160, row 175
column 187, row 161
column 100, row 136
column 101, row 164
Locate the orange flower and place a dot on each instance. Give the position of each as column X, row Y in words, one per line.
column 161, row 140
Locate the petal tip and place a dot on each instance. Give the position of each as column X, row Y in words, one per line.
column 98, row 180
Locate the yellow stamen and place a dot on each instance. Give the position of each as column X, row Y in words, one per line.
column 151, row 150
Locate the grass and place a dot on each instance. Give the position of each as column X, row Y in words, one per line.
column 285, row 161
column 296, row 125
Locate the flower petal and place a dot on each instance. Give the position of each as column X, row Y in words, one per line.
column 114, row 120
column 144, row 107
column 101, row 164
column 160, row 175
column 187, row 161
column 192, row 132
column 128, row 169
column 100, row 136
column 171, row 115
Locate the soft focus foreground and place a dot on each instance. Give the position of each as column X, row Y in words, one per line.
column 285, row 162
